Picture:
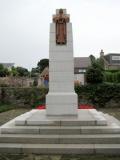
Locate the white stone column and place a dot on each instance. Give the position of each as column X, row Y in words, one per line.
column 61, row 99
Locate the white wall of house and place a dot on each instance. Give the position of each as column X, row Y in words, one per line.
column 80, row 78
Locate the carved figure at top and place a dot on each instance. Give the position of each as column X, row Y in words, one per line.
column 61, row 28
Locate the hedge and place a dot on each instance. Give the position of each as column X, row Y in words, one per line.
column 99, row 95
column 113, row 77
column 23, row 96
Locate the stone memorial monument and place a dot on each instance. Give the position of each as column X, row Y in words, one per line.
column 61, row 99
column 61, row 128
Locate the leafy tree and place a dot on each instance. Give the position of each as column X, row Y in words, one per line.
column 34, row 72
column 42, row 64
column 97, row 63
column 101, row 63
column 94, row 73
column 35, row 82
column 92, row 59
column 14, row 71
column 20, row 71
column 3, row 71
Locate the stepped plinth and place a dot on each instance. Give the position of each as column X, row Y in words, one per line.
column 90, row 132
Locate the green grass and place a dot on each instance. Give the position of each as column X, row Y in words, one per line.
column 6, row 107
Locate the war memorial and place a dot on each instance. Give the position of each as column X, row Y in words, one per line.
column 61, row 128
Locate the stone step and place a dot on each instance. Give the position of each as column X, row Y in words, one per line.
column 83, row 118
column 60, row 130
column 60, row 139
column 60, row 123
column 60, row 148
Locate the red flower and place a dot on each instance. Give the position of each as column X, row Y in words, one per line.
column 85, row 106
column 40, row 107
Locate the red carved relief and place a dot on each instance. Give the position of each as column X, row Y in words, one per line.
column 61, row 28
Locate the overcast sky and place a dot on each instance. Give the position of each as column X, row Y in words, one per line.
column 24, row 28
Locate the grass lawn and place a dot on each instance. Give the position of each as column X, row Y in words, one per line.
column 10, row 114
column 5, row 107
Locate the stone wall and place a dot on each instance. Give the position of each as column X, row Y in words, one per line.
column 19, row 96
column 18, row 81
column 102, row 95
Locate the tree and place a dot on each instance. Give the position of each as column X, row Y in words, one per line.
column 42, row 64
column 34, row 72
column 94, row 73
column 21, row 72
column 35, row 82
column 92, row 59
column 14, row 71
column 3, row 71
column 97, row 63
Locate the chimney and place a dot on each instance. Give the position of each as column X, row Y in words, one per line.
column 101, row 53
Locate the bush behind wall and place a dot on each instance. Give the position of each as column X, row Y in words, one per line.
column 99, row 95
column 23, row 96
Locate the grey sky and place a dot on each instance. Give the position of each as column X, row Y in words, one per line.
column 24, row 28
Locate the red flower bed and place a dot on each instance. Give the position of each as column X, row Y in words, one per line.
column 40, row 107
column 86, row 106
column 83, row 106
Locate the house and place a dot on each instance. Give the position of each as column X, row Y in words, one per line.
column 111, row 60
column 44, row 76
column 80, row 66
column 8, row 65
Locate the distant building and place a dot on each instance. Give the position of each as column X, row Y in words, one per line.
column 80, row 66
column 111, row 60
column 8, row 65
column 44, row 76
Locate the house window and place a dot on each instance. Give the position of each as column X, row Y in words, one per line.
column 82, row 70
column 116, row 58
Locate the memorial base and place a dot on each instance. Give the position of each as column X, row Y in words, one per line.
column 91, row 132
column 61, row 104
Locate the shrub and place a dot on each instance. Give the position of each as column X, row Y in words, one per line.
column 113, row 77
column 99, row 95
column 35, row 82
column 94, row 75
column 23, row 96
column 118, row 77
column 31, row 96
